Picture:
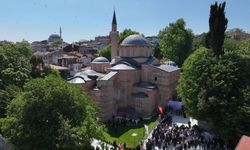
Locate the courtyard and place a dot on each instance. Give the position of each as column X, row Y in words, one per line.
column 123, row 134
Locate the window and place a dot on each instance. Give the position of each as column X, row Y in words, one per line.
column 141, row 52
column 138, row 103
column 127, row 53
column 155, row 78
column 118, row 94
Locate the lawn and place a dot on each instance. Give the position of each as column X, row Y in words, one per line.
column 123, row 134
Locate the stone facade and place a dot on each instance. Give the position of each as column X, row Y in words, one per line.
column 134, row 83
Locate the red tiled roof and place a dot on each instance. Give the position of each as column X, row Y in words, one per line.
column 244, row 143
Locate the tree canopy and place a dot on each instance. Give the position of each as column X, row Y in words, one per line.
column 125, row 33
column 14, row 64
column 217, row 90
column 176, row 42
column 106, row 52
column 50, row 114
column 217, row 27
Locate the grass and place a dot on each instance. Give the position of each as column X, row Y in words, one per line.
column 123, row 134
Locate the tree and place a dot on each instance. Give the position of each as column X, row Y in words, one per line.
column 50, row 114
column 37, row 66
column 176, row 42
column 6, row 95
column 217, row 90
column 244, row 48
column 199, row 41
column 14, row 64
column 125, row 33
column 57, row 42
column 106, row 52
column 157, row 51
column 217, row 27
column 231, row 45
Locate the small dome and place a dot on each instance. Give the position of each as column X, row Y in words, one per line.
column 100, row 60
column 135, row 40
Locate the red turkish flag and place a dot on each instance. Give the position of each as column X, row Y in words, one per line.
column 161, row 110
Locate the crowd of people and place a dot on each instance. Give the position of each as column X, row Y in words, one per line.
column 167, row 135
column 122, row 121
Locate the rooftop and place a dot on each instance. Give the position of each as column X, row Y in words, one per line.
column 100, row 60
column 109, row 75
column 58, row 67
column 135, row 40
column 76, row 80
column 122, row 67
column 167, row 68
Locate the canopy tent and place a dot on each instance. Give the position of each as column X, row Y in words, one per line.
column 175, row 105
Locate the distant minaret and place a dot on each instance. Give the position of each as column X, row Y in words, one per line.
column 60, row 32
column 114, row 38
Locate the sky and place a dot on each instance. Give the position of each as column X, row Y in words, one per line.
column 35, row 20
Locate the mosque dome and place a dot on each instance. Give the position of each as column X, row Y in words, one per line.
column 135, row 40
column 53, row 37
column 100, row 60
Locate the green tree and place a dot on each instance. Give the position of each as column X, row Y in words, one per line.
column 6, row 95
column 217, row 90
column 176, row 42
column 50, row 114
column 231, row 45
column 37, row 66
column 217, row 27
column 199, row 41
column 106, row 52
column 244, row 48
column 125, row 33
column 157, row 51
column 57, row 42
column 14, row 64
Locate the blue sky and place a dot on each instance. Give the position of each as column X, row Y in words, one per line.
column 84, row 19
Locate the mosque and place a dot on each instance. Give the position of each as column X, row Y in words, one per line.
column 133, row 84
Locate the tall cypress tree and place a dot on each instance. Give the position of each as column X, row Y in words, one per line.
column 217, row 27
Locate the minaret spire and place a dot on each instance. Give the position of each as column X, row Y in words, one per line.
column 60, row 32
column 114, row 23
column 114, row 38
column 114, row 18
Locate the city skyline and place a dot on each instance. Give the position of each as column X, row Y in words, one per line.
column 34, row 20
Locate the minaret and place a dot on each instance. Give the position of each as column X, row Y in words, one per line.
column 114, row 38
column 60, row 32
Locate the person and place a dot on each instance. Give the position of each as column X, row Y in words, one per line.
column 183, row 111
column 189, row 124
column 124, row 146
column 115, row 145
